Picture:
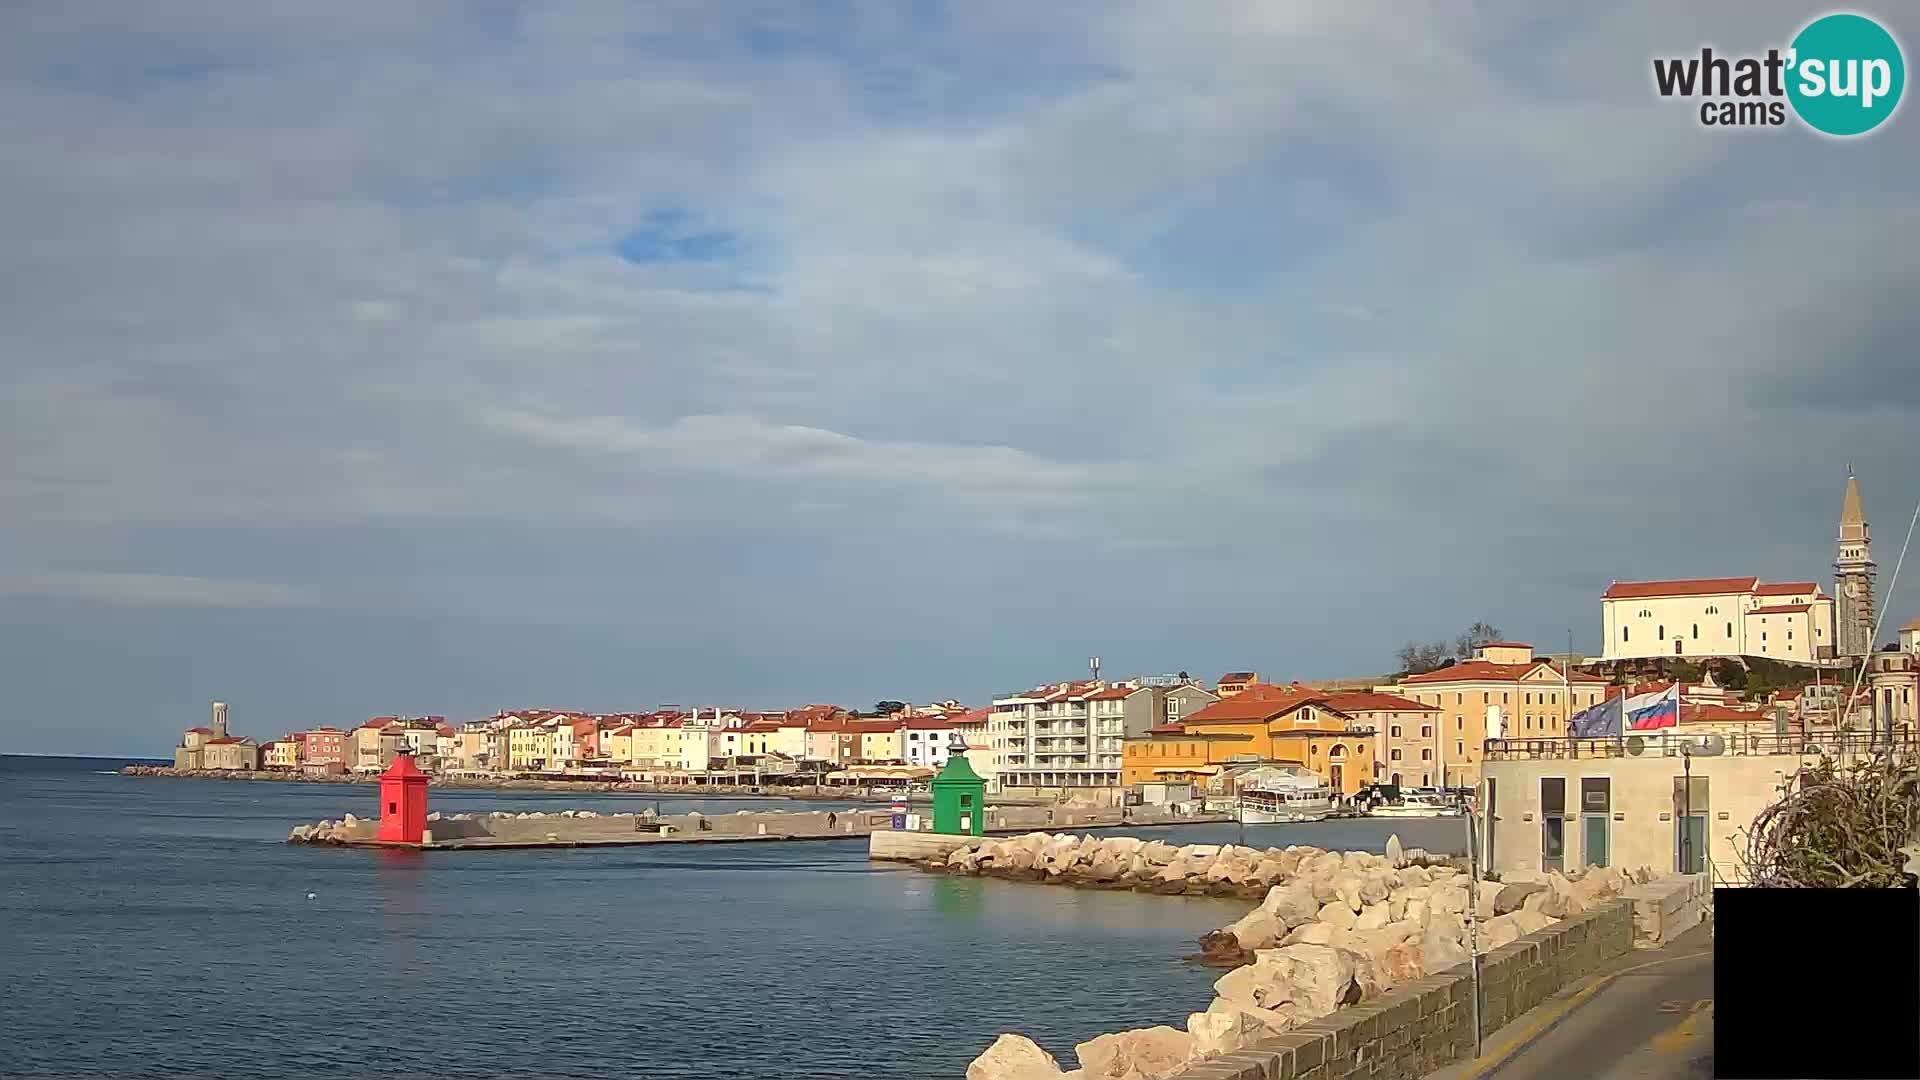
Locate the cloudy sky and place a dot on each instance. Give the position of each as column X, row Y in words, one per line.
column 444, row 357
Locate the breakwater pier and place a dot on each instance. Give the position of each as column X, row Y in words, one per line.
column 587, row 828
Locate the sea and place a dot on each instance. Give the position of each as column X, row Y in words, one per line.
column 157, row 927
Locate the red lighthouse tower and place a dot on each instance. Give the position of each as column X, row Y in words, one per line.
column 403, row 802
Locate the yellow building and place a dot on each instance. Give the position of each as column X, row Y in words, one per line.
column 880, row 745
column 618, row 744
column 1503, row 692
column 281, row 754
column 1291, row 725
column 529, row 747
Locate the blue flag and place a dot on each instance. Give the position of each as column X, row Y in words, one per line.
column 1602, row 721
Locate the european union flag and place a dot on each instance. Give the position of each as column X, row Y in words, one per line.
column 1602, row 721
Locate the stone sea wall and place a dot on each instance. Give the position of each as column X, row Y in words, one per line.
column 1333, row 931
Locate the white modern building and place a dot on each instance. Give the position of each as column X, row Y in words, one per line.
column 1073, row 734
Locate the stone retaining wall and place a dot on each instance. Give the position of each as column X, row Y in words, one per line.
column 1668, row 907
column 1415, row 1029
column 902, row 846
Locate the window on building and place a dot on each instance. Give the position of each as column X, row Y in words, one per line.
column 1394, row 731
column 1426, row 731
column 1393, row 754
column 1623, row 634
column 1459, row 723
column 1529, row 699
column 1729, row 631
column 1696, row 631
column 1459, row 748
column 1661, row 633
column 1503, row 699
column 1426, row 755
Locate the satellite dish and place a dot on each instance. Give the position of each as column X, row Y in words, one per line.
column 1710, row 746
column 1636, row 745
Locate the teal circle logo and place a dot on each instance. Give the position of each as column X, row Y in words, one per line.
column 1845, row 74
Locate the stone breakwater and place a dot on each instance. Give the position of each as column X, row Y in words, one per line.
column 1332, row 929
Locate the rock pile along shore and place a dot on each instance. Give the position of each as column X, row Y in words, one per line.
column 1332, row 929
column 349, row 827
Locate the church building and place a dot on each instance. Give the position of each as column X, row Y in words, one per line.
column 1793, row 621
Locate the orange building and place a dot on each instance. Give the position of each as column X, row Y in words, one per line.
column 1283, row 725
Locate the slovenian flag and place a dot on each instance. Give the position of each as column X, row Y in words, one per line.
column 1602, row 721
column 1648, row 711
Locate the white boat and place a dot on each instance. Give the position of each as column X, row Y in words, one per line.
column 1275, row 806
column 1416, row 806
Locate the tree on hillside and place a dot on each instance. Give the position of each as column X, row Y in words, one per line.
column 888, row 708
column 1416, row 657
column 1480, row 633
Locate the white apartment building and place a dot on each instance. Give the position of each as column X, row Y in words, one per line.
column 1716, row 617
column 1073, row 734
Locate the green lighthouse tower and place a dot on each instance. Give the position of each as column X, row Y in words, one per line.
column 959, row 795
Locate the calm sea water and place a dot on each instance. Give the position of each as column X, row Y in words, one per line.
column 162, row 928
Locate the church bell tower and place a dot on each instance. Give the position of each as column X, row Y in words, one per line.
column 1853, row 573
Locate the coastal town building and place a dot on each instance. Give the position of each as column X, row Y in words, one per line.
column 1406, row 735
column 1504, row 691
column 1677, row 803
column 1893, row 683
column 927, row 739
column 1235, row 682
column 1280, row 725
column 191, row 753
column 230, row 752
column 1910, row 637
column 280, row 754
column 1072, row 735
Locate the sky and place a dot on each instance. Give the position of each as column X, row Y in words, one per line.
column 449, row 357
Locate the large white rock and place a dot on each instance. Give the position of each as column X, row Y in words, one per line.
column 1376, row 885
column 1440, row 949
column 1499, row 930
column 1531, row 921
column 1348, row 888
column 1373, row 917
column 1257, row 929
column 1013, row 1057
column 1450, row 899
column 1316, row 977
column 1222, row 1029
column 1339, row 914
column 1313, row 933
column 1292, row 903
column 1489, row 893
column 1146, row 1052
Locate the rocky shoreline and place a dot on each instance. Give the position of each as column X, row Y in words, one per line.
column 604, row 787
column 1332, row 929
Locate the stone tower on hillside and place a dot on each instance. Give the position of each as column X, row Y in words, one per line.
column 1853, row 573
column 219, row 719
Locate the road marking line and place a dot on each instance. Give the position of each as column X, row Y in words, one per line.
column 1679, row 1039
column 1552, row 1012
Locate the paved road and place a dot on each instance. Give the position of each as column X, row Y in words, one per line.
column 1652, row 1021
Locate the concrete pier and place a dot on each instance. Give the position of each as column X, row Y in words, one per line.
column 589, row 829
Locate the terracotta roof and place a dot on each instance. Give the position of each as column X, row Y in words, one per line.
column 1239, row 676
column 1641, row 590
column 202, row 730
column 1781, row 609
column 225, row 740
column 1786, row 588
column 1260, row 702
column 1486, row 671
column 764, row 725
column 1114, row 693
column 871, row 726
column 974, row 716
column 928, row 723
column 1368, row 701
column 1913, row 625
column 1508, row 645
column 1167, row 729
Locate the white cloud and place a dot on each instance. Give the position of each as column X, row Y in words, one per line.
column 158, row 590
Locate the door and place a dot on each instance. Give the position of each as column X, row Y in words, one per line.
column 1596, row 807
column 1335, row 773
column 1553, row 824
column 1690, row 844
column 1594, row 843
